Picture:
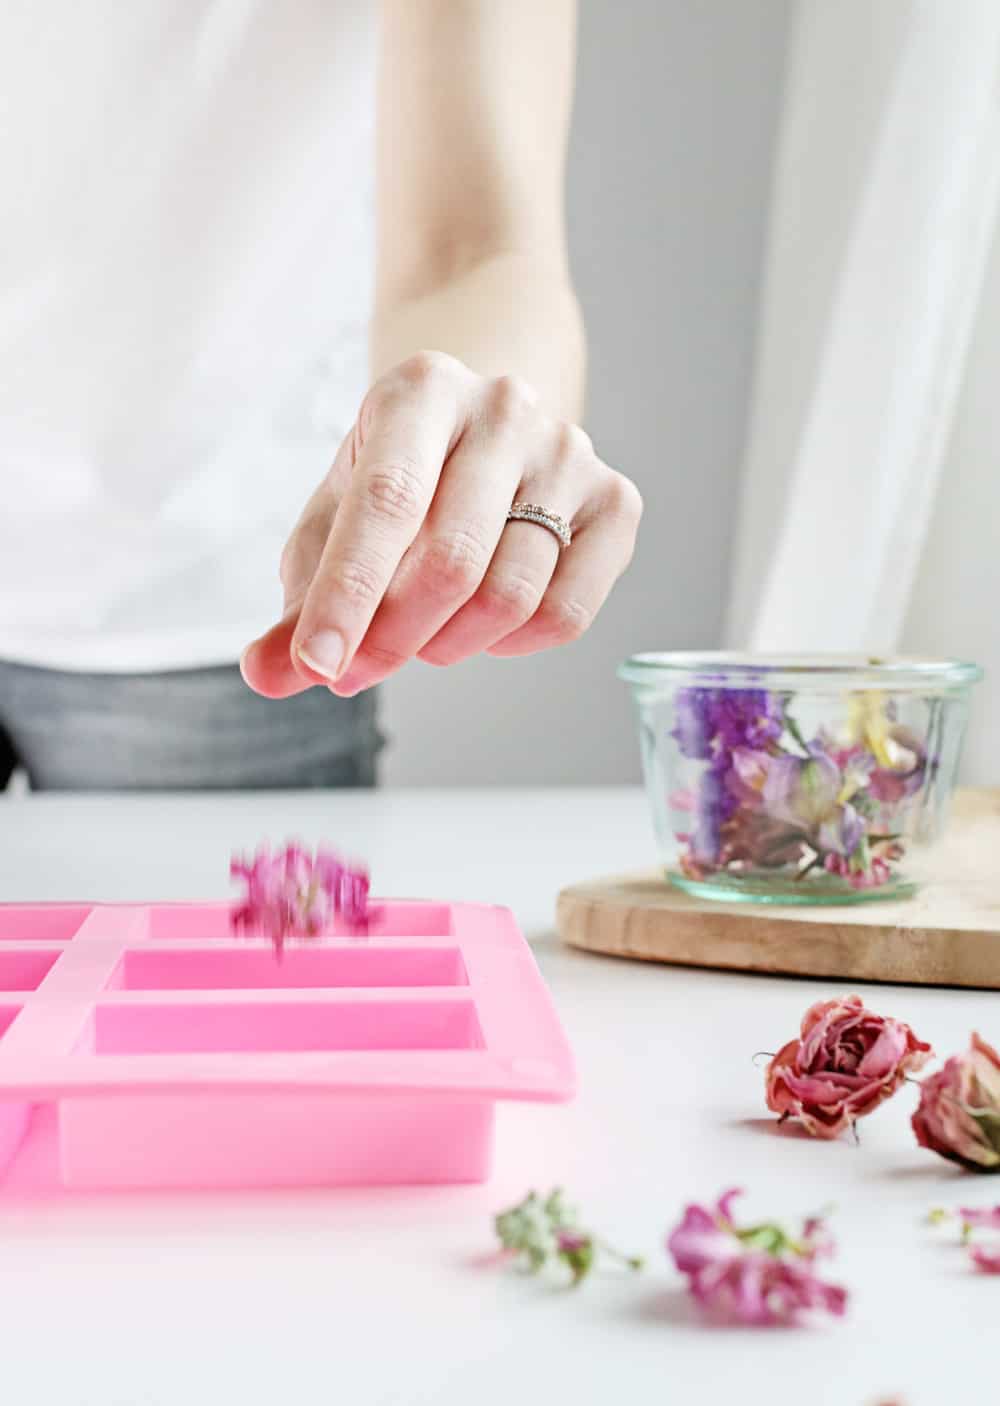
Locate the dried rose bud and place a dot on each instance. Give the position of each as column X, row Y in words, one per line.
column 846, row 1061
column 959, row 1112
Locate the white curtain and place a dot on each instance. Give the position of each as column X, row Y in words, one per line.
column 880, row 318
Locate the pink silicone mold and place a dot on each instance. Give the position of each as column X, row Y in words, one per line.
column 178, row 1055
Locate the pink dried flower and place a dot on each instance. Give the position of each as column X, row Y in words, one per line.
column 755, row 1274
column 294, row 894
column 986, row 1258
column 846, row 1061
column 980, row 1217
column 877, row 874
column 959, row 1111
column 974, row 1218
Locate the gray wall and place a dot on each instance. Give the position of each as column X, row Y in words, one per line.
column 677, row 104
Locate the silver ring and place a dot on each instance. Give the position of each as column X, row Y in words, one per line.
column 552, row 522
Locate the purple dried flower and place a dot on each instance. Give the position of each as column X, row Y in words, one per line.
column 745, row 780
column 842, row 832
column 711, row 802
column 750, row 717
column 710, row 722
column 691, row 724
column 802, row 791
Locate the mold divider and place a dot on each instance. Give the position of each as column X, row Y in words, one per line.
column 53, row 1015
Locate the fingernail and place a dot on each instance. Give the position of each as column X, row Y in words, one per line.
column 243, row 660
column 323, row 652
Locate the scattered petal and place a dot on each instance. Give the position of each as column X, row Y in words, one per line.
column 986, row 1259
column 757, row 1274
column 984, row 1256
column 980, row 1217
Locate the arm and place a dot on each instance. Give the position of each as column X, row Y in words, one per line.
column 404, row 549
column 474, row 101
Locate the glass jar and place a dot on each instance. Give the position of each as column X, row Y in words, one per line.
column 794, row 779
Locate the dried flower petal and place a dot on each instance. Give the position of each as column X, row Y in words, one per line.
column 293, row 894
column 986, row 1259
column 980, row 1217
column 802, row 791
column 756, row 1274
column 767, row 798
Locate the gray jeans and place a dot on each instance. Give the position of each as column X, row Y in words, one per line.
column 189, row 728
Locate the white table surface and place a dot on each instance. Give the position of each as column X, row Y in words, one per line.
column 390, row 1296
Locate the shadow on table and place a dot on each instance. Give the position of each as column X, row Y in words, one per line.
column 666, row 1306
column 677, row 1309
column 770, row 1127
column 934, row 1171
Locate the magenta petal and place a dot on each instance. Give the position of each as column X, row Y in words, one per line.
column 294, row 894
column 698, row 1241
column 731, row 1277
column 981, row 1216
column 830, row 1090
column 986, row 1260
column 750, row 1303
column 885, row 1054
column 725, row 1203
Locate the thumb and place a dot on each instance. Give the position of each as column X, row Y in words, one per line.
column 266, row 664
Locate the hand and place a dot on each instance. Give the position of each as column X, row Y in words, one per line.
column 404, row 549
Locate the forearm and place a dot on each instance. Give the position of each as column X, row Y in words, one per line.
column 508, row 314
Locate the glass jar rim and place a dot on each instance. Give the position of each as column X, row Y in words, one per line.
column 732, row 669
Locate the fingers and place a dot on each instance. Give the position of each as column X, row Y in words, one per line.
column 601, row 549
column 408, row 425
column 267, row 664
column 511, row 592
column 564, row 477
column 446, row 564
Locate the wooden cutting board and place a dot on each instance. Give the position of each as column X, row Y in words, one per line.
column 947, row 935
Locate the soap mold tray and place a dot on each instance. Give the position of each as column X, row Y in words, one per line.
column 177, row 1054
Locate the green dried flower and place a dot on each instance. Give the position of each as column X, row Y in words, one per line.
column 543, row 1231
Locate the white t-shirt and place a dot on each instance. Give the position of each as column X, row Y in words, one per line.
column 185, row 273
